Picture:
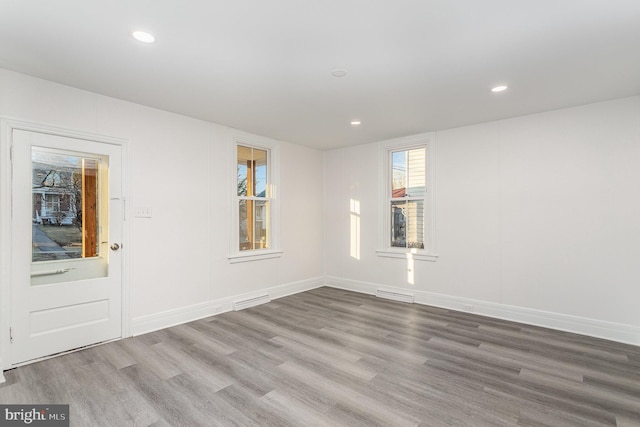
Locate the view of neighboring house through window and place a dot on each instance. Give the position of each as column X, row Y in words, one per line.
column 65, row 206
column 407, row 198
column 407, row 220
column 253, row 198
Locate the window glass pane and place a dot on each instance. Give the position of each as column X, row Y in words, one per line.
column 399, row 174
column 407, row 224
column 415, row 172
column 244, row 228
column 261, row 237
column 260, row 165
column 254, row 224
column 244, row 162
column 398, row 224
column 65, row 209
column 415, row 224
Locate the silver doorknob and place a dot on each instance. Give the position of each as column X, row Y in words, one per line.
column 115, row 247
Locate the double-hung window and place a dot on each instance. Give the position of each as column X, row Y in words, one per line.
column 253, row 198
column 407, row 222
column 254, row 202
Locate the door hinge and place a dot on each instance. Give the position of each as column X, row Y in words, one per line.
column 11, row 154
column 11, row 335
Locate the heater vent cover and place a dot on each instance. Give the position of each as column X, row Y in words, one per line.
column 396, row 296
column 251, row 302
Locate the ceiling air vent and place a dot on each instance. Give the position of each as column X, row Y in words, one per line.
column 396, row 296
column 251, row 302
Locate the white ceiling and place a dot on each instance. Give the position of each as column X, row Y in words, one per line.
column 265, row 66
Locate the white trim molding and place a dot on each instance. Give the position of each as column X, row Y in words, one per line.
column 385, row 148
column 407, row 255
column 273, row 188
column 623, row 333
column 254, row 255
column 153, row 322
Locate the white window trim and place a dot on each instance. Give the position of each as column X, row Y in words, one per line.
column 429, row 253
column 273, row 147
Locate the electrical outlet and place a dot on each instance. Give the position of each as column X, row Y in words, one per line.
column 143, row 212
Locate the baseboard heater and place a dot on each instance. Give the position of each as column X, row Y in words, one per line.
column 396, row 296
column 251, row 302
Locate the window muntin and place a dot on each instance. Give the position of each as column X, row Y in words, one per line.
column 253, row 198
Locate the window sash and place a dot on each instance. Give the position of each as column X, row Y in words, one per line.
column 407, row 223
column 254, row 232
column 406, row 231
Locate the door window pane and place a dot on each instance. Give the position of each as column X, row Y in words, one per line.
column 65, row 211
column 69, row 215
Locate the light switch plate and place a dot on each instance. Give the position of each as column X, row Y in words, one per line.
column 143, row 212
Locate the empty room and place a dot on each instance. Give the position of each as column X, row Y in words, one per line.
column 328, row 213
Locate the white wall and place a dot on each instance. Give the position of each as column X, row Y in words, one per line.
column 180, row 167
column 537, row 216
column 537, row 219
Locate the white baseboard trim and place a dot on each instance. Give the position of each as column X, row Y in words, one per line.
column 153, row 322
column 627, row 334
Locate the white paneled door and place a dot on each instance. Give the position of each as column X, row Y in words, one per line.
column 66, row 258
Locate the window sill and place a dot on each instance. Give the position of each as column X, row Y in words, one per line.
column 255, row 255
column 407, row 255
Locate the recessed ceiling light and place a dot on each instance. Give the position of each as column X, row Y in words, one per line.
column 338, row 72
column 355, row 122
column 500, row 88
column 143, row 36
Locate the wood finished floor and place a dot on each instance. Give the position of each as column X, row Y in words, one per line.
column 338, row 358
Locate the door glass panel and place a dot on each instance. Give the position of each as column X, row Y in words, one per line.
column 70, row 202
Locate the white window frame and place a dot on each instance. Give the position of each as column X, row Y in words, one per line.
column 273, row 180
column 426, row 140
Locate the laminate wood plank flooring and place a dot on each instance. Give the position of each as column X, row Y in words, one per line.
column 330, row 357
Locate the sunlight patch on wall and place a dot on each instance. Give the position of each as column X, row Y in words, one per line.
column 355, row 228
column 410, row 268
